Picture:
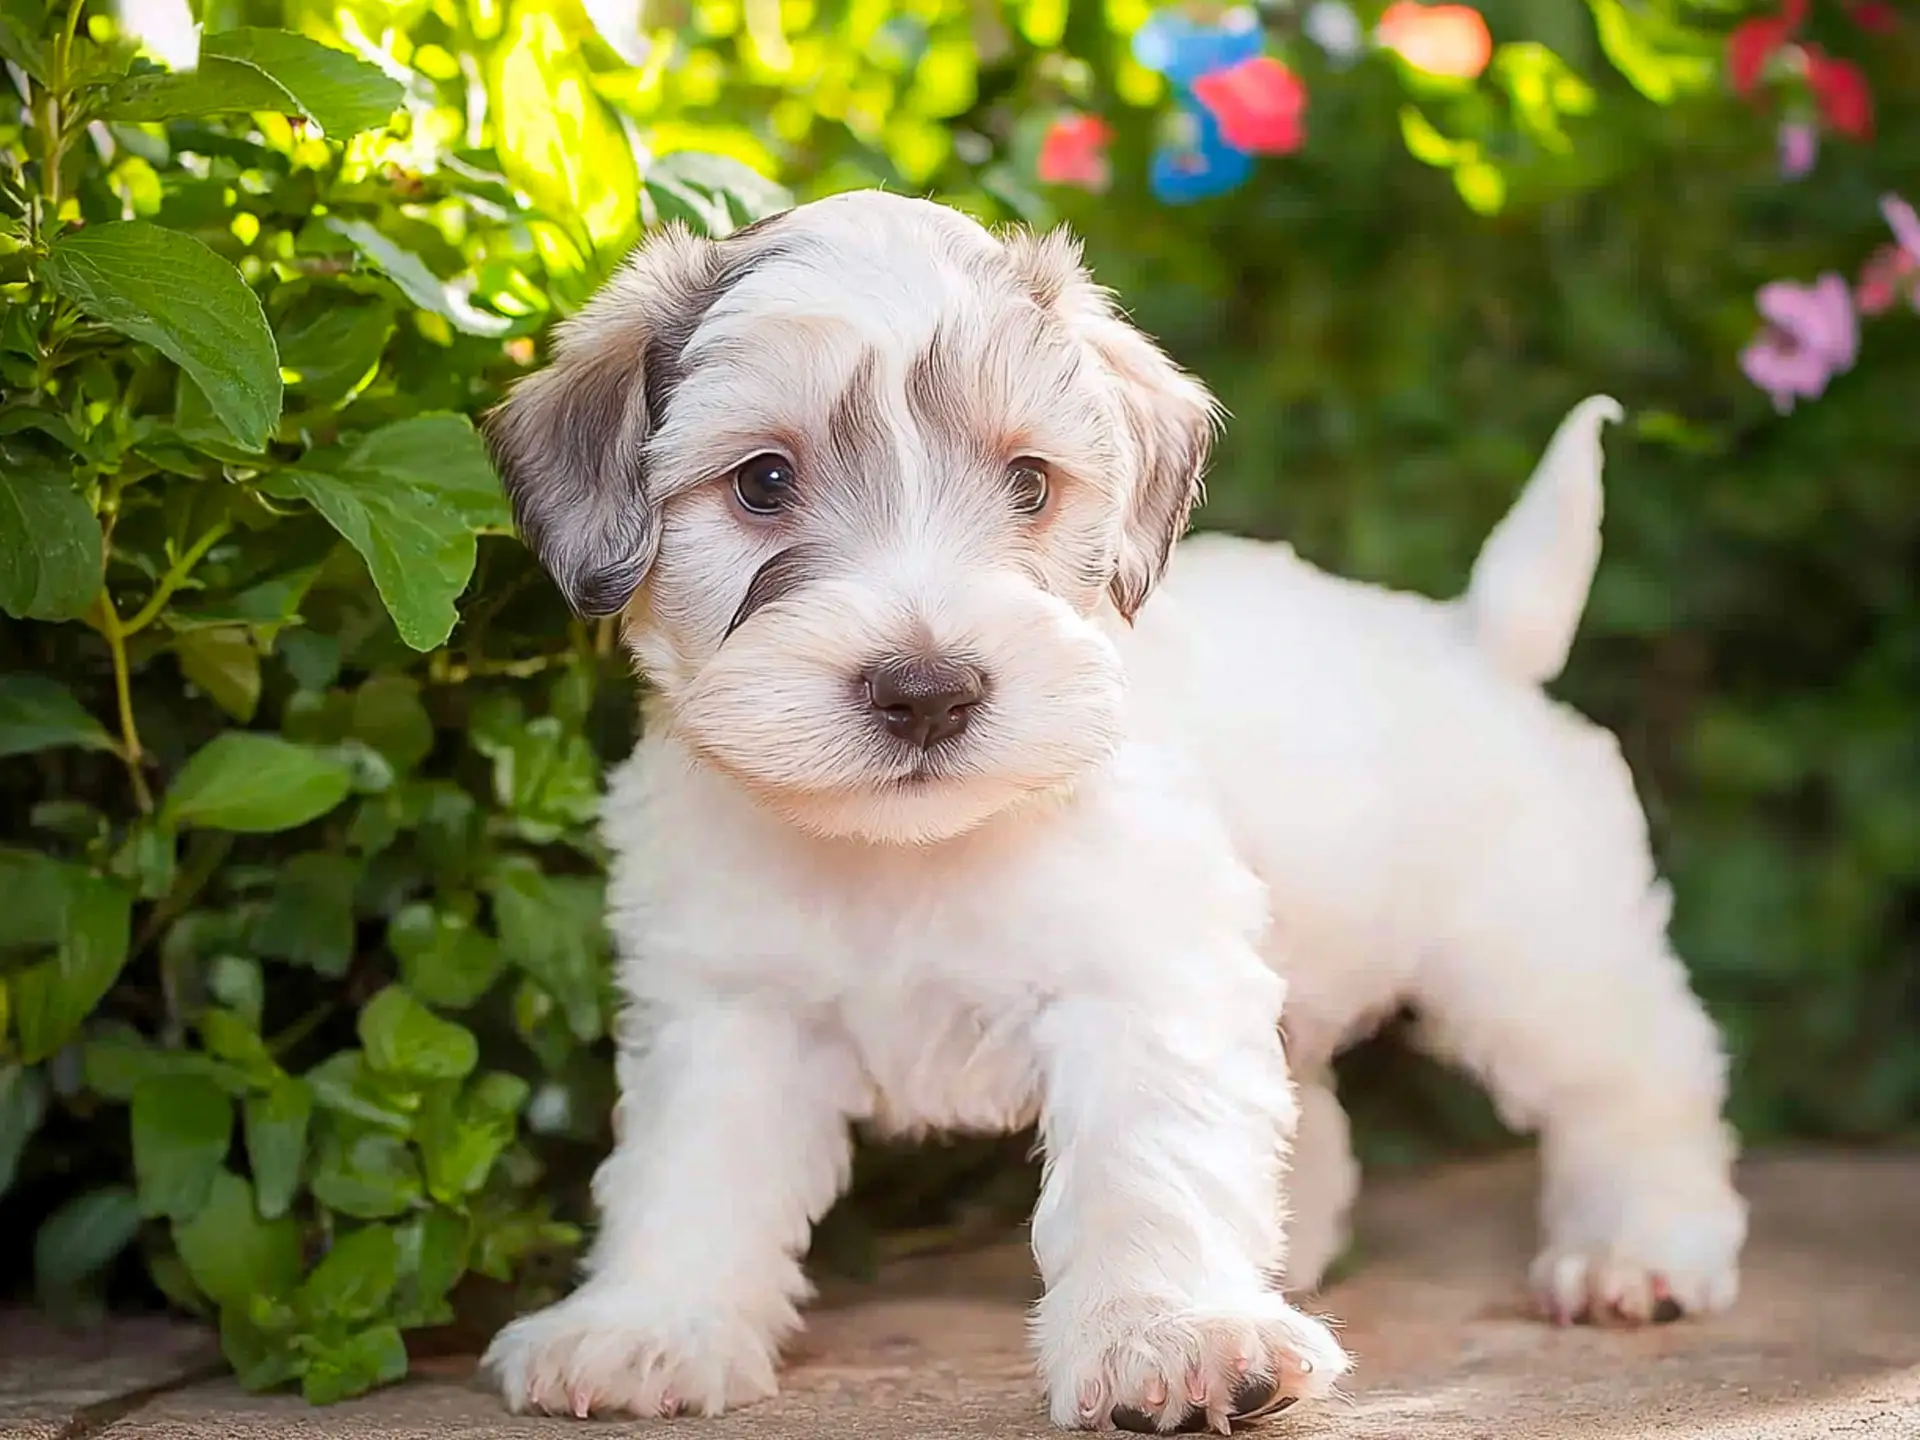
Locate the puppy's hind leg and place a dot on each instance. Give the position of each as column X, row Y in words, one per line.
column 1558, row 989
column 1322, row 1180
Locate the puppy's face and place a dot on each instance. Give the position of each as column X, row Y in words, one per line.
column 867, row 482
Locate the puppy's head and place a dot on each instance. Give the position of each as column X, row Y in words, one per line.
column 865, row 480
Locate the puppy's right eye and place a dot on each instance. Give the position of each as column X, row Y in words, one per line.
column 764, row 484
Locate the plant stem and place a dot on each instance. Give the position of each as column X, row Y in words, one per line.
column 108, row 624
column 57, row 138
column 175, row 577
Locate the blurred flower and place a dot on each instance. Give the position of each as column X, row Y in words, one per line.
column 1440, row 39
column 1259, row 104
column 1182, row 49
column 1842, row 92
column 1073, row 152
column 1876, row 16
column 165, row 29
column 1892, row 268
column 1812, row 334
column 1904, row 223
column 1198, row 164
column 1799, row 149
column 1335, row 29
column 1754, row 42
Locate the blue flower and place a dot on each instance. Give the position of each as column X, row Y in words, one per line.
column 1197, row 163
column 1178, row 47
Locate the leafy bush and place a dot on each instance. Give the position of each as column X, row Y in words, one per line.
column 299, row 753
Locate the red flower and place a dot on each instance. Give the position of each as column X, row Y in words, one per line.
column 1259, row 104
column 1876, row 16
column 1073, row 152
column 1842, row 93
column 1755, row 41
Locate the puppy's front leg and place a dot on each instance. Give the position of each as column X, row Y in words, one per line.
column 732, row 1141
column 1158, row 1230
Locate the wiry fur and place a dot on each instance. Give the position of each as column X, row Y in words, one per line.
column 1080, row 910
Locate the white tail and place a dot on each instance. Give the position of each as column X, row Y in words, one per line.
column 1531, row 579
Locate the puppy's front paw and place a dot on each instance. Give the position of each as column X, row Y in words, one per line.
column 1660, row 1253
column 1153, row 1369
column 595, row 1354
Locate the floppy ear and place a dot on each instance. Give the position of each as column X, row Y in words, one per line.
column 569, row 440
column 1170, row 417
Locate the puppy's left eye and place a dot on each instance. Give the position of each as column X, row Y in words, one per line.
column 1029, row 485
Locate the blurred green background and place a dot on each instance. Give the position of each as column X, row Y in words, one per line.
column 302, row 991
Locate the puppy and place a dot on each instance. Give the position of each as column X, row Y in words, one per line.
column 935, row 826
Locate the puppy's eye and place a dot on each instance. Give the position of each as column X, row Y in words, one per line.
column 1029, row 485
column 764, row 484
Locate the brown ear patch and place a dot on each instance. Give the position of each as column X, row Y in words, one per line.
column 568, row 441
column 1170, row 417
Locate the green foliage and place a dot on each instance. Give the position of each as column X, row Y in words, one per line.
column 300, row 756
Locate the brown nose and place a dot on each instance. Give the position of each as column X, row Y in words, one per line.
column 924, row 700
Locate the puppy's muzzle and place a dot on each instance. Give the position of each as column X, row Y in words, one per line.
column 924, row 700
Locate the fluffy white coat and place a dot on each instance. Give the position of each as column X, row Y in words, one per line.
column 1265, row 799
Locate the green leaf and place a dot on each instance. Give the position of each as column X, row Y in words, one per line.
column 22, row 22
column 234, row 1255
column 722, row 178
column 444, row 456
column 254, row 783
column 275, row 70
column 372, row 1357
column 175, row 294
column 33, row 898
column 444, row 958
column 225, row 664
column 332, row 342
column 309, row 920
column 462, row 1133
column 275, row 1122
column 1661, row 58
column 39, row 713
column 451, row 301
column 23, row 1105
column 410, row 524
column 557, row 139
column 343, row 1083
column 147, row 859
column 388, row 715
column 182, row 1126
column 82, row 1238
column 50, row 559
column 116, row 1060
column 403, row 1037
column 52, row 998
column 365, row 1173
column 433, row 1256
column 356, row 1277
column 234, row 1040
column 260, row 1361
column 554, row 929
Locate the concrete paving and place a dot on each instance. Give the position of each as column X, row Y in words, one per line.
column 1825, row 1342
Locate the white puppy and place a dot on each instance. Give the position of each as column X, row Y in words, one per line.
column 934, row 826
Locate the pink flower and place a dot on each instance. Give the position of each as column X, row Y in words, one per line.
column 1904, row 223
column 1073, row 152
column 1259, row 104
column 1799, row 149
column 1812, row 334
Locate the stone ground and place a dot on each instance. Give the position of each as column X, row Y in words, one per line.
column 1825, row 1342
